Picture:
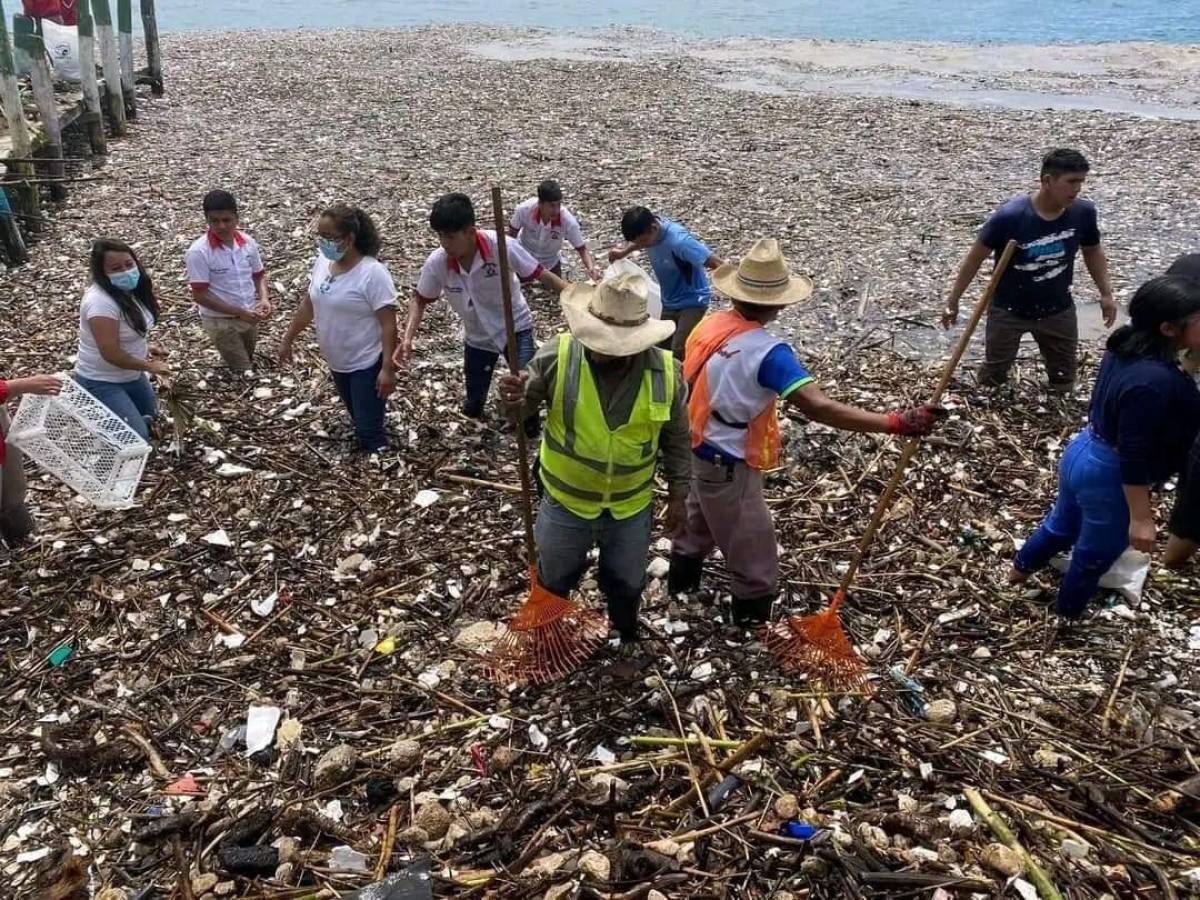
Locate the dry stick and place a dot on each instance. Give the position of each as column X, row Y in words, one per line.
column 156, row 764
column 643, row 740
column 478, row 482
column 1036, row 873
column 697, row 784
column 748, row 749
column 1112, row 698
column 910, row 445
column 389, row 842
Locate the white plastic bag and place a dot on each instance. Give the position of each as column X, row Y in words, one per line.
column 62, row 45
column 1127, row 576
column 654, row 295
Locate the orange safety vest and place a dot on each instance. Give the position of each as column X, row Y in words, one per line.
column 713, row 333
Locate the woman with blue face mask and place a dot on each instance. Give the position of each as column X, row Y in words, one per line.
column 114, row 356
column 352, row 302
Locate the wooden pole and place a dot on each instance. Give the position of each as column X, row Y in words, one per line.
column 112, row 66
column 94, row 117
column 31, row 51
column 153, row 50
column 128, row 75
column 26, row 195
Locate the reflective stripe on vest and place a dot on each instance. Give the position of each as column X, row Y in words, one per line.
column 588, row 467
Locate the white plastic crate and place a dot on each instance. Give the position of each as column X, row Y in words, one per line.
column 79, row 440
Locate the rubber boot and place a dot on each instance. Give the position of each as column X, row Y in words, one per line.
column 623, row 614
column 748, row 612
column 685, row 574
column 16, row 525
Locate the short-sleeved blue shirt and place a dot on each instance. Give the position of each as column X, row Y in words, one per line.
column 678, row 258
column 1038, row 281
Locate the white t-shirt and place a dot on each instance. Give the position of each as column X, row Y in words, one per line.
column 344, row 308
column 477, row 296
column 228, row 271
column 544, row 238
column 88, row 361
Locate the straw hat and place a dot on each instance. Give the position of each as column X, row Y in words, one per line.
column 762, row 278
column 611, row 317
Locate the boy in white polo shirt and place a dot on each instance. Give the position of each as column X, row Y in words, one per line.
column 226, row 274
column 465, row 271
column 541, row 224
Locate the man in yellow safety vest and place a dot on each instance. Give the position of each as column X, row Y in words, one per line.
column 614, row 401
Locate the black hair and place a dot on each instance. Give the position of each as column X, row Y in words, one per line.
column 1167, row 299
column 635, row 222
column 549, row 192
column 220, row 201
column 1063, row 161
column 451, row 212
column 757, row 312
column 352, row 220
column 1187, row 266
column 144, row 292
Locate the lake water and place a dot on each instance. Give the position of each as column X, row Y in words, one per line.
column 1005, row 21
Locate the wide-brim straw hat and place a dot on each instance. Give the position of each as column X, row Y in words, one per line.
column 611, row 317
column 762, row 278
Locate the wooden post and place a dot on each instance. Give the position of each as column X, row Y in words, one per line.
column 111, row 64
column 24, row 192
column 128, row 75
column 31, row 51
column 153, row 50
column 91, row 87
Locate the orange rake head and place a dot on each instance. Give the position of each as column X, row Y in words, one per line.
column 547, row 638
column 817, row 646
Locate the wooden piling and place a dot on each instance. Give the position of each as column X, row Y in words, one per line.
column 153, row 50
column 31, row 54
column 125, row 43
column 112, row 66
column 94, row 117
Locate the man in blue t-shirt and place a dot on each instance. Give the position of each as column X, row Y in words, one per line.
column 679, row 259
column 1034, row 296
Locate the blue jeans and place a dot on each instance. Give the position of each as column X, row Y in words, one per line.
column 564, row 541
column 132, row 402
column 359, row 393
column 1090, row 517
column 478, row 366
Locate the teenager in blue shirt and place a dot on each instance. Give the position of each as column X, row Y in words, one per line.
column 1034, row 297
column 1184, row 537
column 1144, row 416
column 679, row 260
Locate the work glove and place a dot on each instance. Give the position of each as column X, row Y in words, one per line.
column 920, row 420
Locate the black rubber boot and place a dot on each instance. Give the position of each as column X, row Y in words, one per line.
column 16, row 526
column 685, row 574
column 748, row 612
column 623, row 614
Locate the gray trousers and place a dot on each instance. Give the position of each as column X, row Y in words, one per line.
column 15, row 522
column 564, row 541
column 1057, row 338
column 726, row 508
column 685, row 321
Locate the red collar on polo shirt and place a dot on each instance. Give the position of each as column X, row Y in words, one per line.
column 213, row 241
column 481, row 245
column 537, row 217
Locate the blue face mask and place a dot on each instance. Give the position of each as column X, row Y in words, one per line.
column 330, row 249
column 126, row 281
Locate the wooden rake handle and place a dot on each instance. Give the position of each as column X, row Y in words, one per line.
column 510, row 351
column 910, row 445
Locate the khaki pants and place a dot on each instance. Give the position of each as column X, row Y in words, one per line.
column 16, row 525
column 1057, row 338
column 685, row 321
column 726, row 509
column 234, row 339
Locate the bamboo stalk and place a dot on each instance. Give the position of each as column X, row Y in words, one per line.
column 744, row 752
column 1037, row 874
column 653, row 741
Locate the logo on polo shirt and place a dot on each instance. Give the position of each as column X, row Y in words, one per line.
column 490, row 270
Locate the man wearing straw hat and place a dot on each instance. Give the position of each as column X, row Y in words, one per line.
column 614, row 401
column 736, row 371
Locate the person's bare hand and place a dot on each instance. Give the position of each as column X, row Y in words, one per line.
column 158, row 367
column 45, row 385
column 950, row 316
column 1108, row 309
column 1142, row 534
